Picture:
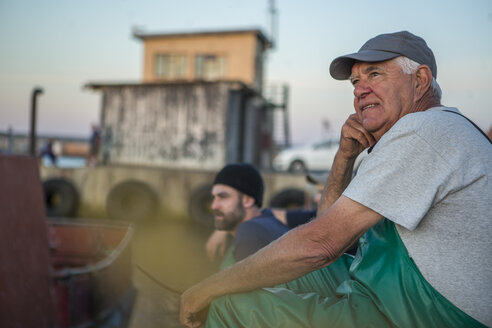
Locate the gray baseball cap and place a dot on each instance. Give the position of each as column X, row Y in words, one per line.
column 385, row 47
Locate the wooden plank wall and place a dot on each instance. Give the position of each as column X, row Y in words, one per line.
column 172, row 126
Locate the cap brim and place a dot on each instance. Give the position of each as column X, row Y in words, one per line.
column 341, row 67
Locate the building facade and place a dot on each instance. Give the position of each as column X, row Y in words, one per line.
column 199, row 105
column 206, row 55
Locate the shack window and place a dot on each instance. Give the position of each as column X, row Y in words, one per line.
column 170, row 66
column 210, row 67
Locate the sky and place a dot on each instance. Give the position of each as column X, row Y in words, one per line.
column 61, row 45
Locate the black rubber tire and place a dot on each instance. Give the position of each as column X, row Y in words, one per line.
column 132, row 201
column 61, row 198
column 290, row 198
column 297, row 166
column 199, row 207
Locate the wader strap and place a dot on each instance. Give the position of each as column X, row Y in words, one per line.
column 476, row 126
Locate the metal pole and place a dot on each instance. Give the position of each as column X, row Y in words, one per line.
column 285, row 104
column 273, row 23
column 10, row 147
column 32, row 133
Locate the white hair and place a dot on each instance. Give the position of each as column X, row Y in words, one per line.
column 409, row 66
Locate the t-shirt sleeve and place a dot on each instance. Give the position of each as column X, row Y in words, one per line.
column 248, row 240
column 297, row 217
column 402, row 178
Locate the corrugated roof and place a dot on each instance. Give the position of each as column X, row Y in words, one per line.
column 144, row 35
column 102, row 85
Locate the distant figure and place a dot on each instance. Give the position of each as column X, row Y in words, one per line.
column 57, row 149
column 47, row 150
column 95, row 143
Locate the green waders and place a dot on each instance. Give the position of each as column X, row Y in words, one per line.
column 228, row 258
column 380, row 287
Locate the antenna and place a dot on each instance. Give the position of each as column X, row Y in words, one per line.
column 273, row 23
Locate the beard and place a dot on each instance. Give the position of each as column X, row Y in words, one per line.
column 230, row 220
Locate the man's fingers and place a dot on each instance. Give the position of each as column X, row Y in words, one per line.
column 191, row 320
column 351, row 133
column 194, row 321
column 354, row 118
column 354, row 130
column 193, row 308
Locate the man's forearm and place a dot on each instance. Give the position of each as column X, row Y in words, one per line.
column 339, row 178
column 304, row 249
column 280, row 261
column 295, row 254
column 354, row 139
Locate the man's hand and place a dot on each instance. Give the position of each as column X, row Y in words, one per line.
column 193, row 308
column 353, row 141
column 354, row 138
column 216, row 244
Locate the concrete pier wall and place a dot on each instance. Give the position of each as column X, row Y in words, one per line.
column 173, row 188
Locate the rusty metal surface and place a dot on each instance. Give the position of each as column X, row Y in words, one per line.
column 25, row 281
column 93, row 269
column 77, row 275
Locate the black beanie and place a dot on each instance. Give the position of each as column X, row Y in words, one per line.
column 244, row 178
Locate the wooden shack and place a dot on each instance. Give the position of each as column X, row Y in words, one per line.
column 195, row 125
column 200, row 103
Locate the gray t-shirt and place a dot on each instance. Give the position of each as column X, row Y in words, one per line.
column 431, row 174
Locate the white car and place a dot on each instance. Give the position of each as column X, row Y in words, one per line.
column 316, row 156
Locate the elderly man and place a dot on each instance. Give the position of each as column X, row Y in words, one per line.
column 420, row 204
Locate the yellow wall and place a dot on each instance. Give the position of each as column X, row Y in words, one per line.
column 239, row 50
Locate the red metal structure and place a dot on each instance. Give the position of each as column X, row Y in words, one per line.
column 57, row 273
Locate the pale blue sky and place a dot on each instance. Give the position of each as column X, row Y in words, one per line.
column 63, row 44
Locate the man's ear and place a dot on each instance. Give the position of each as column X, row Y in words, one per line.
column 248, row 201
column 423, row 79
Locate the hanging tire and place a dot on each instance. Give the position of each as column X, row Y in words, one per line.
column 61, row 198
column 297, row 166
column 132, row 201
column 199, row 206
column 290, row 198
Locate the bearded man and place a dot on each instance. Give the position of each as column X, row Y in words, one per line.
column 237, row 199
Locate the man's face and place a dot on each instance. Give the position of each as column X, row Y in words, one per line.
column 227, row 207
column 383, row 94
